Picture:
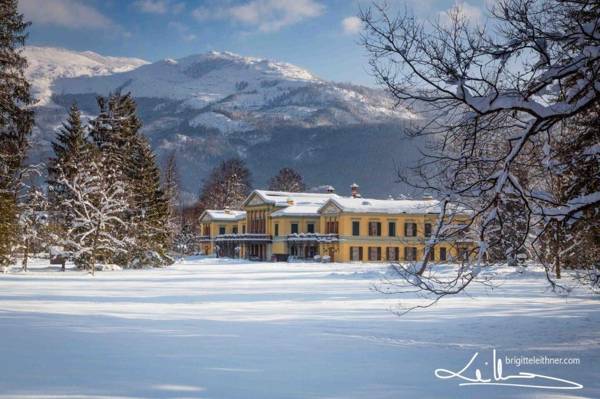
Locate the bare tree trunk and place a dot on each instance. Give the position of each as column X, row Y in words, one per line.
column 424, row 264
column 25, row 256
column 557, row 250
column 94, row 243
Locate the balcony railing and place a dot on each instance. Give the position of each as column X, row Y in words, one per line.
column 312, row 237
column 243, row 237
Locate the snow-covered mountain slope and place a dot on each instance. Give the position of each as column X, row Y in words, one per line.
column 46, row 64
column 229, row 93
column 212, row 106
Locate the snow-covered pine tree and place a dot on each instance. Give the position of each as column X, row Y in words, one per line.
column 16, row 121
column 287, row 180
column 33, row 223
column 71, row 149
column 149, row 208
column 185, row 242
column 227, row 186
column 96, row 204
column 170, row 187
column 114, row 131
column 115, row 127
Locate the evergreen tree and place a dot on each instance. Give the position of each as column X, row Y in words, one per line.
column 71, row 149
column 185, row 242
column 227, row 186
column 507, row 233
column 33, row 223
column 172, row 195
column 114, row 132
column 16, row 120
column 149, row 208
column 115, row 128
column 96, row 205
column 287, row 180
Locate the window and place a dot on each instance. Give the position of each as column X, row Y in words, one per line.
column 374, row 253
column 355, row 253
column 374, row 228
column 221, row 230
column 276, row 229
column 244, row 229
column 234, row 230
column 310, row 228
column 431, row 254
column 392, row 253
column 443, row 255
column 294, row 228
column 392, row 229
column 355, row 228
column 410, row 253
column 427, row 229
column 410, row 229
column 331, row 227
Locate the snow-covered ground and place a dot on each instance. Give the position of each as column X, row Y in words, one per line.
column 208, row 328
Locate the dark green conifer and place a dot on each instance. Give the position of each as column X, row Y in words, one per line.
column 149, row 207
column 71, row 150
column 16, row 121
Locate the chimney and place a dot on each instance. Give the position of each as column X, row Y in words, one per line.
column 427, row 197
column 354, row 190
column 330, row 189
column 290, row 201
column 227, row 210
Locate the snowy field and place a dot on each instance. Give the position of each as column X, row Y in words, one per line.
column 208, row 328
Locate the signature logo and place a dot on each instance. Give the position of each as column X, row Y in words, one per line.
column 522, row 379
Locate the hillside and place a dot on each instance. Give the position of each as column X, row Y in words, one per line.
column 211, row 106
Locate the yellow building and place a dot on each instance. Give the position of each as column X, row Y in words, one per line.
column 382, row 230
column 272, row 216
column 221, row 224
column 283, row 225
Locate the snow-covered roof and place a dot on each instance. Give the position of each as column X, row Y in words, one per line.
column 226, row 215
column 283, row 198
column 298, row 210
column 388, row 206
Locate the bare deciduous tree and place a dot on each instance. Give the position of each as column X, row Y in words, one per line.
column 227, row 186
column 287, row 179
column 493, row 98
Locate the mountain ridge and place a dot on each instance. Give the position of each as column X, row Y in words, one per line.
column 207, row 107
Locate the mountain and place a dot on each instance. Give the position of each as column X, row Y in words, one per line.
column 212, row 106
column 46, row 64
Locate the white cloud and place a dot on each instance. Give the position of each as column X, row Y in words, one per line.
column 351, row 25
column 469, row 11
column 158, row 6
column 183, row 31
column 266, row 15
column 66, row 13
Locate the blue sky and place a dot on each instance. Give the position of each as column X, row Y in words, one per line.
column 319, row 35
